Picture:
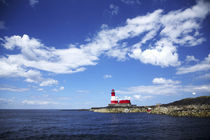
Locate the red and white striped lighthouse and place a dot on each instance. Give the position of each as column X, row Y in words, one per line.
column 113, row 98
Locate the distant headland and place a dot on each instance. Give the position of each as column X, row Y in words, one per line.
column 194, row 107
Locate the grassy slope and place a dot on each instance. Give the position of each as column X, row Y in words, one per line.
column 202, row 100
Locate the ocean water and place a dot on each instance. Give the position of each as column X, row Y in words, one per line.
column 58, row 124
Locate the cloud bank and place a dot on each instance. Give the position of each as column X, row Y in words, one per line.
column 33, row 56
column 33, row 2
column 164, row 86
column 201, row 66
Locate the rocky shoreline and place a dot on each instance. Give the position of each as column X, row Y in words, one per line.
column 193, row 107
column 123, row 109
column 186, row 110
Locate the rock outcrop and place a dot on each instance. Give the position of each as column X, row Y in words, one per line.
column 185, row 110
column 195, row 107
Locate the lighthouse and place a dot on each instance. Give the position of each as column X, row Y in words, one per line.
column 114, row 101
column 113, row 97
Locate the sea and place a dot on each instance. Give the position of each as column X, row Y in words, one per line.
column 74, row 124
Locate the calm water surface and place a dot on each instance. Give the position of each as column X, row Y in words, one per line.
column 58, row 124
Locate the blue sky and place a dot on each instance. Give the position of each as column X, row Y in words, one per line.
column 57, row 54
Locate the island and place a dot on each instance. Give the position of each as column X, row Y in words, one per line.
column 193, row 107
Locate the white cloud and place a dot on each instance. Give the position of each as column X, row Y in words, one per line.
column 131, row 2
column 33, row 2
column 7, row 101
column 35, row 54
column 204, row 76
column 165, row 89
column 34, row 57
column 48, row 82
column 127, row 98
column 137, row 96
column 104, row 26
column 82, row 91
column 26, row 44
column 40, row 89
column 107, row 76
column 141, row 98
column 64, row 98
column 61, row 88
column 164, row 86
column 202, row 66
column 13, row 67
column 190, row 58
column 193, row 93
column 13, row 89
column 118, row 53
column 114, row 9
column 190, row 19
column 150, row 35
column 2, row 25
column 58, row 89
column 55, row 90
column 37, row 102
column 163, row 54
column 151, row 90
column 164, row 81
